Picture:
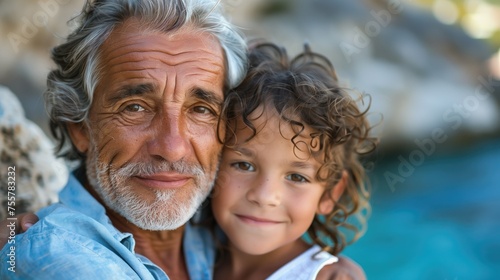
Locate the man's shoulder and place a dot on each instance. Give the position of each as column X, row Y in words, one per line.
column 61, row 217
column 58, row 220
column 58, row 225
column 73, row 261
column 64, row 244
column 62, row 227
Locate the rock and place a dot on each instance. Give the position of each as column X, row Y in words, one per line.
column 28, row 154
column 422, row 75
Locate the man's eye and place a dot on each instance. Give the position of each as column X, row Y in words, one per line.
column 297, row 178
column 134, row 108
column 243, row 166
column 203, row 110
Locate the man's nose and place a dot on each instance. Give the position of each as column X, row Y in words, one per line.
column 170, row 141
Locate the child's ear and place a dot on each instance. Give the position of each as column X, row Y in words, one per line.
column 329, row 198
column 78, row 133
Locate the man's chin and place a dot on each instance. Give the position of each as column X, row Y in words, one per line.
column 160, row 227
column 152, row 214
column 168, row 222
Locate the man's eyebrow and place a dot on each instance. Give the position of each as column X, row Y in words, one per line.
column 208, row 96
column 132, row 90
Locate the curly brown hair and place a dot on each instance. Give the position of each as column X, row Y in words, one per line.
column 306, row 87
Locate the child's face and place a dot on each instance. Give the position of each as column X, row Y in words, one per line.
column 266, row 193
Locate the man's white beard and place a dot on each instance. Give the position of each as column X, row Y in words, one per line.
column 165, row 212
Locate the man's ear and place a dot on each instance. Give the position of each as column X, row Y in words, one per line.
column 329, row 198
column 79, row 136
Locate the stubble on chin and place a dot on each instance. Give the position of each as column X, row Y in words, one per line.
column 168, row 210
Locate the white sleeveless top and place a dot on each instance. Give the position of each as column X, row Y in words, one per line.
column 305, row 266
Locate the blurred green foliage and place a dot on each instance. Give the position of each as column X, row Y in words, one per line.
column 467, row 7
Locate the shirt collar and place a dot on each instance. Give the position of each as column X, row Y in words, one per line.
column 76, row 197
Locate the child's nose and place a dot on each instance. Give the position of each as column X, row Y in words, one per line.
column 265, row 192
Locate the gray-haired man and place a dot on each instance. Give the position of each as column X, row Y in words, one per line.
column 138, row 91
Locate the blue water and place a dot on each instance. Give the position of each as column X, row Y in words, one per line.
column 442, row 222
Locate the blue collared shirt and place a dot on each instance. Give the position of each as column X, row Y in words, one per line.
column 74, row 239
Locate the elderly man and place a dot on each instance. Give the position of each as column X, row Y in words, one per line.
column 136, row 97
column 138, row 91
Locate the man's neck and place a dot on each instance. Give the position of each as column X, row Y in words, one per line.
column 163, row 248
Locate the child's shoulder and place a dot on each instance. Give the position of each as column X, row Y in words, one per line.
column 344, row 269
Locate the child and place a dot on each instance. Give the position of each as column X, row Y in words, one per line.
column 290, row 167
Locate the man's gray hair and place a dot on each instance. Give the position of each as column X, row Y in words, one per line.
column 70, row 87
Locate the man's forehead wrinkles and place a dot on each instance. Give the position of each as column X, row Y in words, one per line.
column 132, row 66
column 138, row 43
column 145, row 51
column 203, row 77
column 121, row 78
column 125, row 69
column 164, row 57
column 115, row 48
column 205, row 67
column 188, row 60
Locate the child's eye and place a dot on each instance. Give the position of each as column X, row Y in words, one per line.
column 297, row 178
column 243, row 166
